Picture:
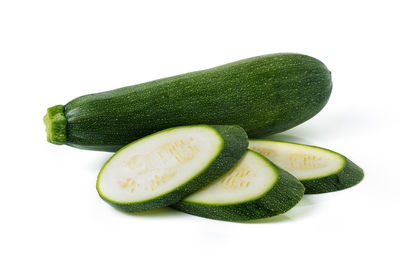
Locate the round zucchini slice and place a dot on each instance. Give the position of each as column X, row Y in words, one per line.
column 320, row 170
column 163, row 168
column 255, row 188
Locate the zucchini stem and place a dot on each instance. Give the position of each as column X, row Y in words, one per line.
column 56, row 125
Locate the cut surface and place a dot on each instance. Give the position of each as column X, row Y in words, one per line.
column 249, row 179
column 302, row 161
column 156, row 165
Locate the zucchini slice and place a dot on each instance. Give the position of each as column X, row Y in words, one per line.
column 255, row 188
column 320, row 170
column 163, row 168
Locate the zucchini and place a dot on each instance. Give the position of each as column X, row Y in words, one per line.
column 163, row 168
column 320, row 170
column 264, row 95
column 255, row 188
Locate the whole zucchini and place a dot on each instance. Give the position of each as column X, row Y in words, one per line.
column 264, row 95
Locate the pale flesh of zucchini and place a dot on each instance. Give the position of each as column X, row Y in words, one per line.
column 156, row 165
column 302, row 161
column 251, row 178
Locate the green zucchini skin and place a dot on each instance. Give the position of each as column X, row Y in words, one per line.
column 264, row 95
column 285, row 194
column 348, row 176
column 235, row 144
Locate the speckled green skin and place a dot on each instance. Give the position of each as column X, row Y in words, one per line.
column 264, row 95
column 235, row 144
column 347, row 177
column 284, row 195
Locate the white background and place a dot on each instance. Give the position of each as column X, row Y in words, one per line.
column 53, row 51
